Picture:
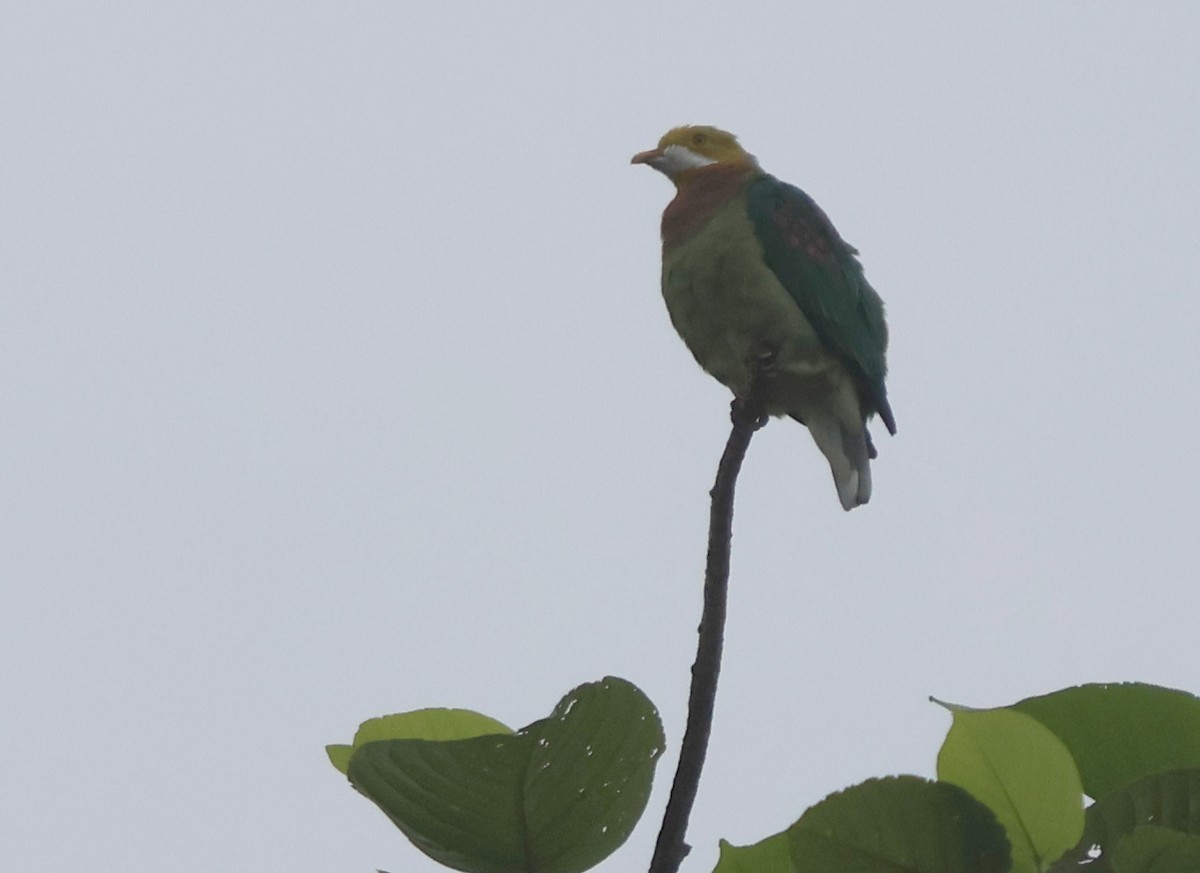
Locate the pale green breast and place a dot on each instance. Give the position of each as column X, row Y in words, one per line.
column 729, row 308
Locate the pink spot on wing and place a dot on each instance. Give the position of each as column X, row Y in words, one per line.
column 799, row 234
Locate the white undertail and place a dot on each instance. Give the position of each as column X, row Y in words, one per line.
column 848, row 456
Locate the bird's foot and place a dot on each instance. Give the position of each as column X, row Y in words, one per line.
column 748, row 409
column 748, row 412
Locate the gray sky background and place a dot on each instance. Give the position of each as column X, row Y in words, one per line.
column 336, row 382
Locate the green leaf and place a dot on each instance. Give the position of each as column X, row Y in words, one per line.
column 901, row 823
column 421, row 724
column 1157, row 850
column 1167, row 800
column 1022, row 772
column 590, row 774
column 339, row 756
column 557, row 797
column 458, row 801
column 772, row 855
column 1119, row 733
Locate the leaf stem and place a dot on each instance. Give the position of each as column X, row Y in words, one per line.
column 670, row 850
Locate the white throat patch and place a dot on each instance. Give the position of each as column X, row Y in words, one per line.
column 676, row 158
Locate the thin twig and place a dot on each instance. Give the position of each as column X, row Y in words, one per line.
column 670, row 850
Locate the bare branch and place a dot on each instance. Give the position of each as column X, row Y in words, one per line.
column 747, row 416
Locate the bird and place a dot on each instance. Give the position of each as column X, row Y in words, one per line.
column 756, row 279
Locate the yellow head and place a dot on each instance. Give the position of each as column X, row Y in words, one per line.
column 684, row 150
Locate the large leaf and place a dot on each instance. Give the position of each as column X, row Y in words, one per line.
column 1022, row 772
column 1119, row 733
column 458, row 802
column 901, row 823
column 557, row 797
column 421, row 724
column 590, row 774
column 1157, row 850
column 1166, row 800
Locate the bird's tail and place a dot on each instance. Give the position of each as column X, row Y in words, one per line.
column 849, row 454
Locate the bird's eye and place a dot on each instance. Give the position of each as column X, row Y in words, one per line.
column 699, row 138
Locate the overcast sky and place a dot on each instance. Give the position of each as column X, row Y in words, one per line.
column 335, row 380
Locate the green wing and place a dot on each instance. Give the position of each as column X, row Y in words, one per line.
column 822, row 273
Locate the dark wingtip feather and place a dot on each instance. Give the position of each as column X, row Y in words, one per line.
column 885, row 415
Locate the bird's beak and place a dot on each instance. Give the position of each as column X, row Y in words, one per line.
column 647, row 157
